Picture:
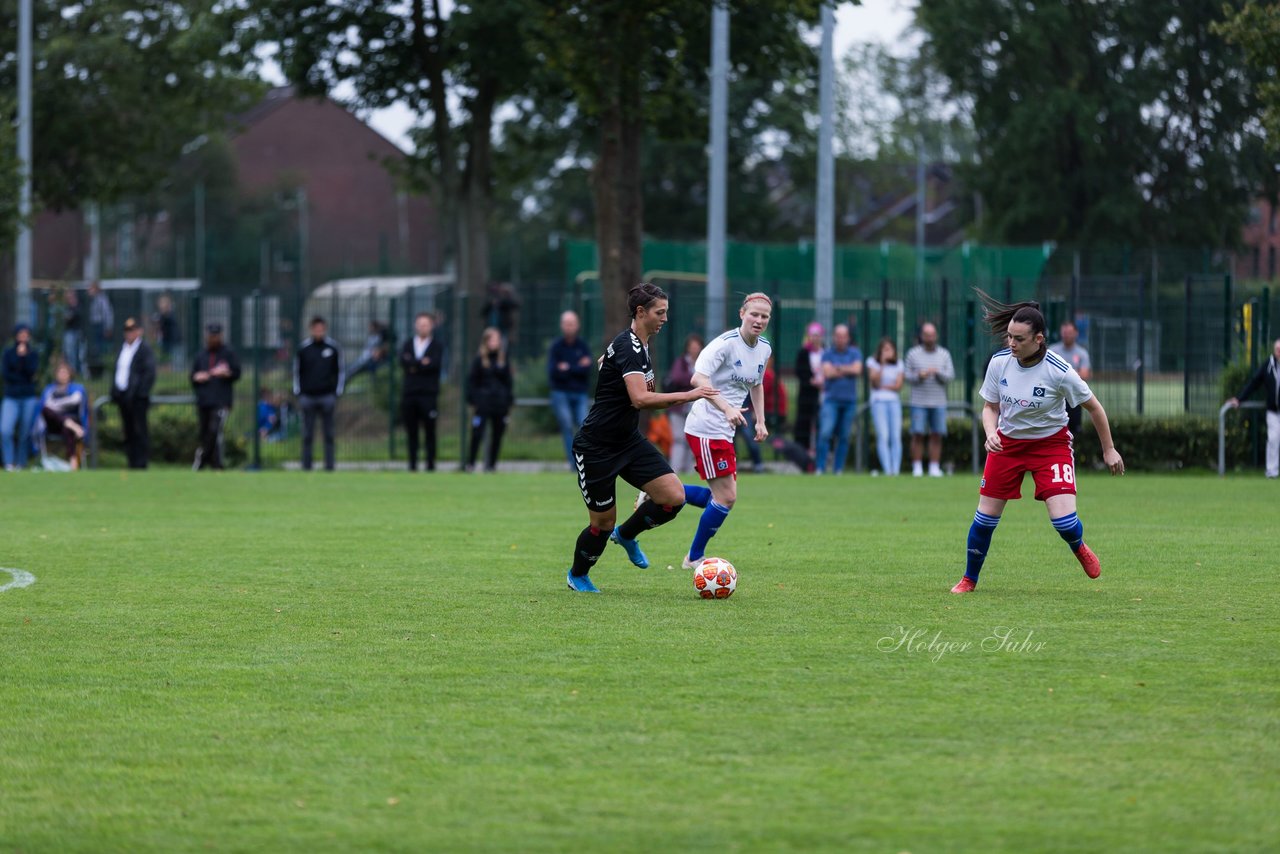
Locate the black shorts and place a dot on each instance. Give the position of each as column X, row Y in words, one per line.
column 599, row 468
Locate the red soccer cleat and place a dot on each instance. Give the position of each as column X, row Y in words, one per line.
column 966, row 585
column 1089, row 560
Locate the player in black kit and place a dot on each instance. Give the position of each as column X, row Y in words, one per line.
column 610, row 444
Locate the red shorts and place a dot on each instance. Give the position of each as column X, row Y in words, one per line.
column 1051, row 461
column 713, row 457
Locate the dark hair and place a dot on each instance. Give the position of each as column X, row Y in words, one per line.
column 317, row 319
column 643, row 295
column 998, row 315
column 880, row 349
column 690, row 338
column 428, row 315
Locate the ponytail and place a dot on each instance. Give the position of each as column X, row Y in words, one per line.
column 998, row 315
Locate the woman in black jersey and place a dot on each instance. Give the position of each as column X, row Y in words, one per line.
column 610, row 444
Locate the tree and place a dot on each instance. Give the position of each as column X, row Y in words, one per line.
column 1124, row 121
column 119, row 87
column 1255, row 29
column 633, row 67
column 453, row 72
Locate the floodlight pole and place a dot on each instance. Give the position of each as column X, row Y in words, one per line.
column 22, row 295
column 824, row 237
column 716, row 286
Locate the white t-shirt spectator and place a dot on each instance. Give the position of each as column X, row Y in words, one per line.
column 889, row 374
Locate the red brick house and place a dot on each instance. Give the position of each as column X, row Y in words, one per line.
column 1261, row 239
column 358, row 220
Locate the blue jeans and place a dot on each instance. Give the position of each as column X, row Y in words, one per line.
column 17, row 414
column 887, row 415
column 570, row 408
column 835, row 419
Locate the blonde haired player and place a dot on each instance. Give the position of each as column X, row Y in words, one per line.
column 733, row 363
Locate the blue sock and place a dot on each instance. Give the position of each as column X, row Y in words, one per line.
column 1070, row 529
column 979, row 541
column 698, row 496
column 710, row 521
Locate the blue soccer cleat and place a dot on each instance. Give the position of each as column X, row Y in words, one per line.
column 581, row 583
column 632, row 548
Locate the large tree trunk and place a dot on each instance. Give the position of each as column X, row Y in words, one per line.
column 476, row 201
column 619, row 207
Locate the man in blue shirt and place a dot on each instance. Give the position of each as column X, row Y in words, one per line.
column 569, row 369
column 841, row 367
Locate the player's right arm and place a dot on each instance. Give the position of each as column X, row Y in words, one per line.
column 642, row 398
column 990, row 394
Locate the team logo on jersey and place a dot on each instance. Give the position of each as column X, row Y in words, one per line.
column 1038, row 391
column 759, row 369
column 1003, row 381
column 737, row 363
column 721, row 465
column 982, row 483
column 635, row 343
column 326, row 353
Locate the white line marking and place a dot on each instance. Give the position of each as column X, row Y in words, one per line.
column 21, row 578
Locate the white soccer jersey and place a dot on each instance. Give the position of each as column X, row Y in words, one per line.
column 1033, row 401
column 733, row 367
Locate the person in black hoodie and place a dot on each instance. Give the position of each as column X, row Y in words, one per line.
column 21, row 401
column 489, row 392
column 215, row 372
column 420, row 359
column 317, row 383
column 1267, row 376
column 135, row 374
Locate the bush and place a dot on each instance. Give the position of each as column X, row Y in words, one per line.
column 175, row 435
column 1147, row 444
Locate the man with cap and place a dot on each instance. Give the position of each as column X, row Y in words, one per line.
column 21, row 403
column 131, row 391
column 213, row 376
column 317, row 383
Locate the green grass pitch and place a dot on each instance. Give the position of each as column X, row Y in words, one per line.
column 365, row 661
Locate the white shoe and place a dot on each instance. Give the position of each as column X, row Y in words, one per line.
column 640, row 499
column 691, row 564
column 917, row 470
column 935, row 471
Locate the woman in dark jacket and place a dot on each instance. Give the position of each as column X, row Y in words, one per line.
column 489, row 392
column 809, row 383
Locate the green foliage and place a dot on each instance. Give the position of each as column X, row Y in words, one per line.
column 120, row 87
column 1255, row 27
column 1120, row 121
column 1233, row 378
column 175, row 435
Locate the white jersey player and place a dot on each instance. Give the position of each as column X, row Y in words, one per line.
column 734, row 363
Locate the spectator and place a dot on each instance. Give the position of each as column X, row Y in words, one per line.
column 747, row 433
column 569, row 371
column 214, row 374
column 72, row 335
column 775, row 399
column 489, row 392
column 680, row 381
column 317, row 383
column 64, row 411
column 928, row 370
column 501, row 311
column 102, row 321
column 886, row 405
column 841, row 367
column 165, row 323
column 809, row 379
column 421, row 358
column 1077, row 357
column 135, row 375
column 270, row 418
column 376, row 352
column 18, row 411
column 1268, row 374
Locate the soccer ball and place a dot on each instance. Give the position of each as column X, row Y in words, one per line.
column 715, row 578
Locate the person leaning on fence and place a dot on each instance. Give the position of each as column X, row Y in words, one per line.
column 490, row 394
column 1267, row 376
column 135, row 375
column 569, row 374
column 214, row 374
column 1069, row 348
column 421, row 358
column 928, row 370
column 377, row 347
column 64, row 412
column 317, row 384
column 20, row 406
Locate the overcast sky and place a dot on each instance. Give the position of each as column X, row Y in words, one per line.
column 874, row 20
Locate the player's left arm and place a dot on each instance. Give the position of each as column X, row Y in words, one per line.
column 732, row 413
column 757, row 406
column 1110, row 455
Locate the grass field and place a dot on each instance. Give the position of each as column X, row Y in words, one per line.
column 378, row 661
